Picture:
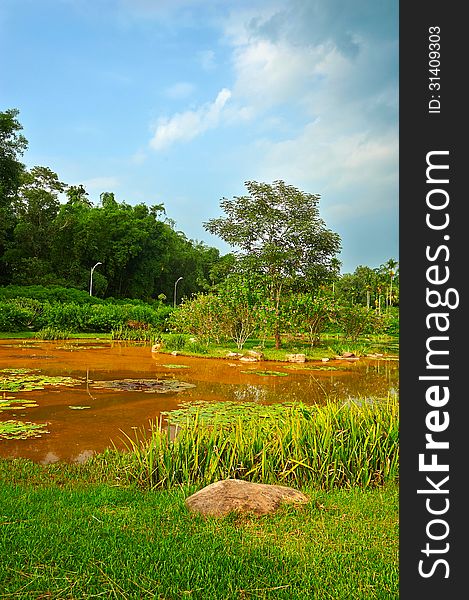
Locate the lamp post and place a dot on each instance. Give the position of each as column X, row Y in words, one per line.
column 91, row 277
column 175, row 285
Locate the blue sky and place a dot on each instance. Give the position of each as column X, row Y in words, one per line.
column 182, row 101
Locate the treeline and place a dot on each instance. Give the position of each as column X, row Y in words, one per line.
column 52, row 234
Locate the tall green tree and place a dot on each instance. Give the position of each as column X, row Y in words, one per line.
column 12, row 147
column 35, row 208
column 276, row 231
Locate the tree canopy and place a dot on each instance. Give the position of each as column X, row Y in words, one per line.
column 277, row 232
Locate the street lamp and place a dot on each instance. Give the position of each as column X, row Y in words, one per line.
column 91, row 277
column 175, row 285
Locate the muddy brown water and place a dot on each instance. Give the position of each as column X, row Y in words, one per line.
column 75, row 435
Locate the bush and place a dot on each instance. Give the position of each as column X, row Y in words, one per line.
column 175, row 341
column 137, row 335
column 18, row 315
column 52, row 333
column 53, row 293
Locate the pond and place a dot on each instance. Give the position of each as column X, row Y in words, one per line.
column 76, row 390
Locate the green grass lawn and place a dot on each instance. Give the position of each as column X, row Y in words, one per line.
column 63, row 537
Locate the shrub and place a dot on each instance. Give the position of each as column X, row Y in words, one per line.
column 52, row 333
column 147, row 334
column 19, row 314
column 174, row 341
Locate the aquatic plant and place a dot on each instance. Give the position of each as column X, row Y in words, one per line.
column 21, row 430
column 328, row 446
column 265, row 373
column 53, row 333
column 148, row 334
column 13, row 381
column 145, row 385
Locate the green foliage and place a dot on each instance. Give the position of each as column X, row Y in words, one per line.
column 240, row 297
column 355, row 320
column 311, row 313
column 327, row 446
column 197, row 347
column 356, row 348
column 175, row 341
column 201, row 316
column 51, row 293
column 282, row 239
column 19, row 314
column 21, row 430
column 52, row 333
column 83, row 315
column 138, row 335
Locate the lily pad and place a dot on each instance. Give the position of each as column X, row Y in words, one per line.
column 27, row 383
column 18, row 371
column 159, row 386
column 12, row 403
column 265, row 373
column 228, row 413
column 311, row 368
column 79, row 407
column 21, row 430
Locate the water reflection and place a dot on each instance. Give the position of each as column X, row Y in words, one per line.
column 75, row 435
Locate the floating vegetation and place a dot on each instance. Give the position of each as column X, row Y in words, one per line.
column 13, row 381
column 311, row 368
column 19, row 346
column 159, row 386
column 265, row 373
column 17, row 371
column 79, row 407
column 73, row 347
column 12, row 403
column 229, row 412
column 21, row 430
column 176, row 366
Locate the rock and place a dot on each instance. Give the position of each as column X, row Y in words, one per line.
column 235, row 495
column 325, row 359
column 156, row 347
column 348, row 355
column 175, row 353
column 248, row 359
column 256, row 355
column 296, row 358
column 233, row 355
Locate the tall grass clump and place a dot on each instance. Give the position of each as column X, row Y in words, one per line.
column 53, row 333
column 137, row 335
column 329, row 446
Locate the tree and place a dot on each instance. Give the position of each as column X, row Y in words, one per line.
column 35, row 208
column 277, row 232
column 12, row 146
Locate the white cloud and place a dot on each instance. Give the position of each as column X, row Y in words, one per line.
column 187, row 125
column 270, row 73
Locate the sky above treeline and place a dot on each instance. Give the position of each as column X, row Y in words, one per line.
column 181, row 101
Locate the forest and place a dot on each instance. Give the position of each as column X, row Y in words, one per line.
column 51, row 234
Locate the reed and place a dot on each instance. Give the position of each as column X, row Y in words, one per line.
column 328, row 446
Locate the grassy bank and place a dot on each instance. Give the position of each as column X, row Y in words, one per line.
column 331, row 445
column 330, row 346
column 64, row 537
